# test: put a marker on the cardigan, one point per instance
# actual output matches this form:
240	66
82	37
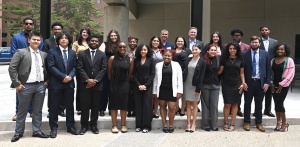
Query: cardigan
288	72
177	83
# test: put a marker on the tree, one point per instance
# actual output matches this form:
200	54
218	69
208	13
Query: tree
76	14
14	13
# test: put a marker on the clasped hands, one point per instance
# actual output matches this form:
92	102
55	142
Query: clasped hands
67	79
90	83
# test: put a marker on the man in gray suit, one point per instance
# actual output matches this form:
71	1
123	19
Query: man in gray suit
268	45
28	74
193	40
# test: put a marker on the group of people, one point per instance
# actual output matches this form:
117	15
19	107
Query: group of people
146	77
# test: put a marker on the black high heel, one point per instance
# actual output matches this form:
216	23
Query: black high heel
178	112
286	127
277	128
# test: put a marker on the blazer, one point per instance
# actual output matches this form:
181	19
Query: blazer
177	83
188	50
198	73
20	66
264	67
288	72
87	69
57	68
272	44
19	41
49	44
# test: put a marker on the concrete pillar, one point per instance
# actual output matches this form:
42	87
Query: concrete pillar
206	21
116	18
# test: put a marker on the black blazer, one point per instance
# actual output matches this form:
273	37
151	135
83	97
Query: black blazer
49	44
57	68
87	69
198	74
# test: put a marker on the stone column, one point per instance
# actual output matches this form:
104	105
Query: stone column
116	18
206	21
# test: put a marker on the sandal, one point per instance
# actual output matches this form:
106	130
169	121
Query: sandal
188	128
278	126
225	127
193	128
171	129
231	128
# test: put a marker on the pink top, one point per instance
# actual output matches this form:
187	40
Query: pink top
288	72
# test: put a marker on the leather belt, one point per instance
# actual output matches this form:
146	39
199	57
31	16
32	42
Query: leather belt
255	79
36	82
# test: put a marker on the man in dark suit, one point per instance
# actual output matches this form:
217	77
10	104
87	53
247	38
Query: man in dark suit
62	66
268	45
91	68
49	44
192	40
28	74
257	77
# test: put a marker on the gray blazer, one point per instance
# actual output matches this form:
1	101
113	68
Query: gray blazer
272	44
20	66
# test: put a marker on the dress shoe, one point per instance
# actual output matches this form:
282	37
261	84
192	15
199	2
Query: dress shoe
102	113
207	129
114	129
82	131
95	130
133	114
14	118
40	135
178	111
215	129
240	114
247	126
155	116
198	110
62	114
53	133
78	112
129	114
253	114
124	129
16	137
269	114
72	130
260	127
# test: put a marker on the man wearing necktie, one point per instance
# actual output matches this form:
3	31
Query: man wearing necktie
62	66
257	77
28	74
91	69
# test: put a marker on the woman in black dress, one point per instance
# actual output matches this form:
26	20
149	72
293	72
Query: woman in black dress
232	70
143	75
120	67
180	57
168	87
283	71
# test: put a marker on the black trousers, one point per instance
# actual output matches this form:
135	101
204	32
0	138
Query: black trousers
62	106
65	94
268	100
78	106
279	99
131	101
143	108
105	93
89	100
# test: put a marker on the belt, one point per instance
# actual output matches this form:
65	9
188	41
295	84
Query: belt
255	79
36	82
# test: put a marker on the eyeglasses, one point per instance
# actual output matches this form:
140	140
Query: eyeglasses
122	46
28	23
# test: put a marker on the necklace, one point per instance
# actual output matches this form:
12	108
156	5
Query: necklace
167	65
231	60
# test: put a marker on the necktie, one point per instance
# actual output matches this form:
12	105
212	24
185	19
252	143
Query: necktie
254	64
37	67
65	59
93	55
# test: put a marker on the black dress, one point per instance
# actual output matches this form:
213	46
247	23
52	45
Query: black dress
166	89
180	58
119	85
231	80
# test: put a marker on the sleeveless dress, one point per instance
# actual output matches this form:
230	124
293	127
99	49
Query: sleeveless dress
119	89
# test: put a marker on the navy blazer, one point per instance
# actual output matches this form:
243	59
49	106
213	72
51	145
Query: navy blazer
198	73
272	44
264	67
57	68
91	70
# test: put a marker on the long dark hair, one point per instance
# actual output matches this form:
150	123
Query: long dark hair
152	38
206	56
139	49
220	38
184	42
111	47
80	39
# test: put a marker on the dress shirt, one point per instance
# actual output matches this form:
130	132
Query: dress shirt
92	53
62	51
192	43
257	63
32	74
266	43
